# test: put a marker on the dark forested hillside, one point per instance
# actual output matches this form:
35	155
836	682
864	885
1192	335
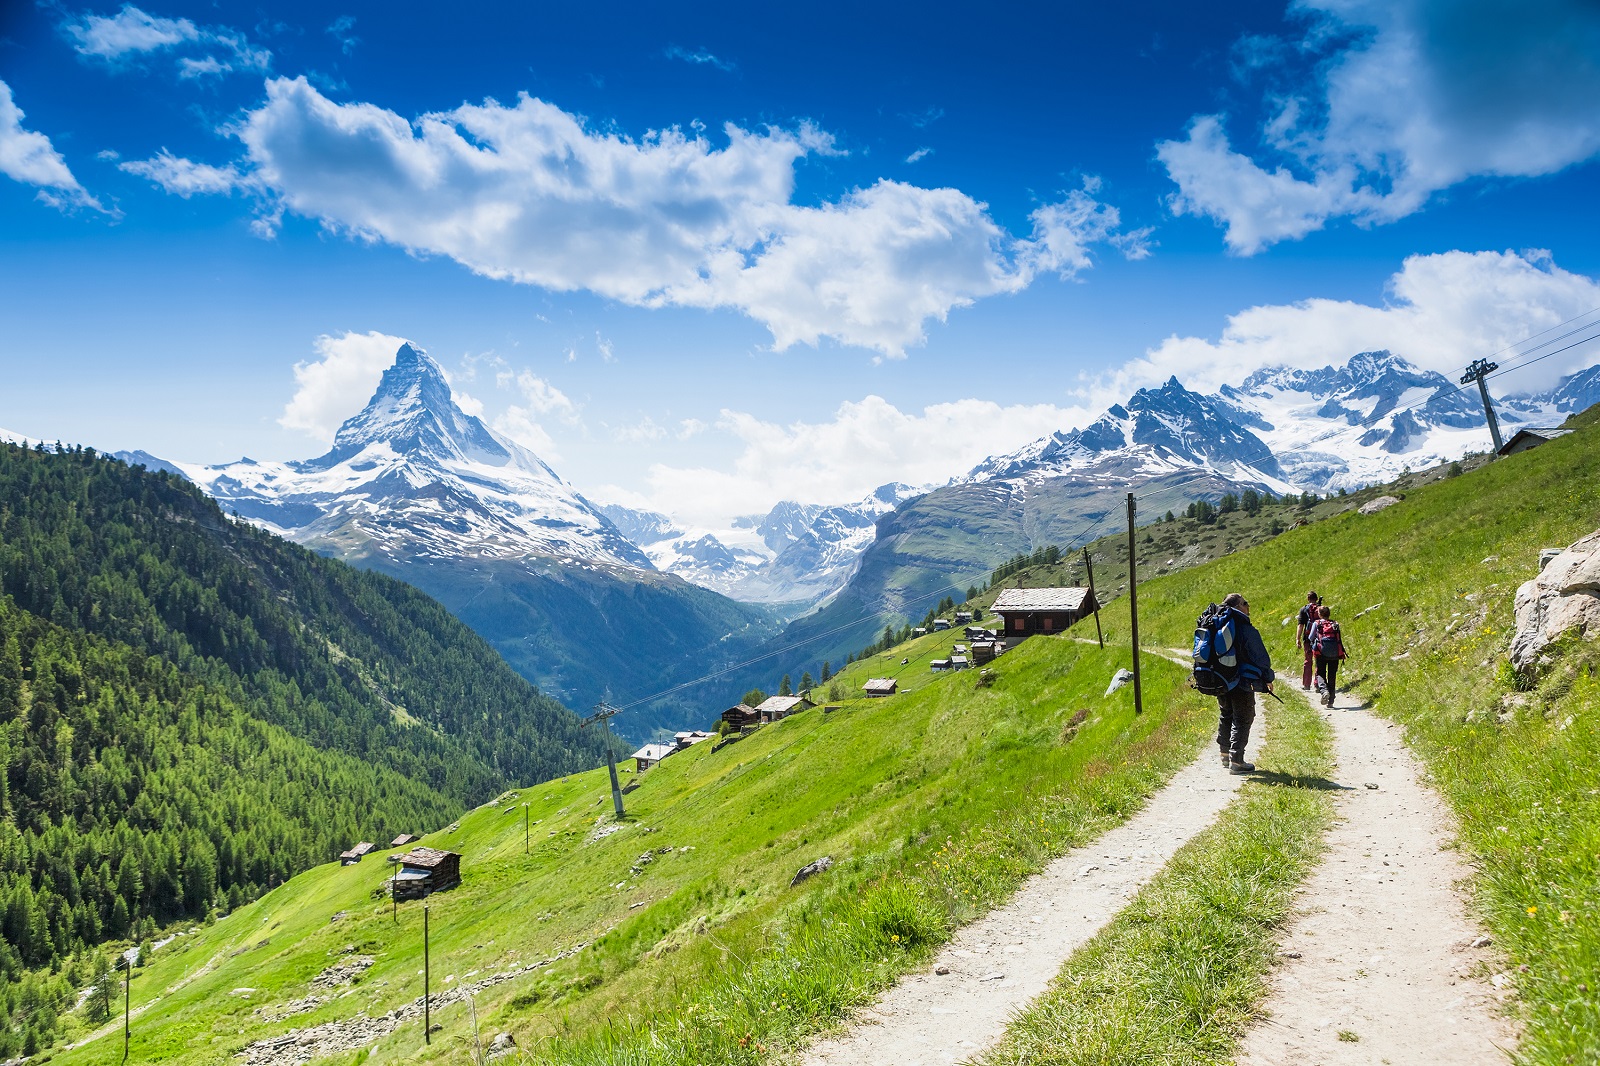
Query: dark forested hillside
352	661
192	710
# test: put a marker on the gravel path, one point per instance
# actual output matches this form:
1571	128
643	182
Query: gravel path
1385	971
1001	962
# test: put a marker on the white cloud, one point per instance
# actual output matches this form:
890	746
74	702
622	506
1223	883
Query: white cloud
545	398
133	32
31	159
1064	232
185	178
919	155
1419	96
1442	312
208	66
335	386
699	57
867	443
518	424
128	32
530	194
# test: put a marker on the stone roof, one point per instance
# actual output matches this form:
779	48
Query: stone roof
880	684
781	704
653	752
1060	599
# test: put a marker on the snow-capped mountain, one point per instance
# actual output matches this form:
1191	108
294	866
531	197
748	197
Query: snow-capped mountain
414	476
1289	430
796	553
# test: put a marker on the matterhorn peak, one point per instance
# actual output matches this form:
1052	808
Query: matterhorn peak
414	412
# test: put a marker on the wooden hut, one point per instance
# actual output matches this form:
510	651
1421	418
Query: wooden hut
426	870
776	707
1029	611
740	715
651	754
880	686
403	839
355	854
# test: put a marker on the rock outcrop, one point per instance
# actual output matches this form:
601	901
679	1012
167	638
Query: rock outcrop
1565	596
1379	504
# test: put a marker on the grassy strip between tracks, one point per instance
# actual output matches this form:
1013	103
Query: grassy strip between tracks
1177	976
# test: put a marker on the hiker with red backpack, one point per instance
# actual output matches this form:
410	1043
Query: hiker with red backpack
1328	645
1302	637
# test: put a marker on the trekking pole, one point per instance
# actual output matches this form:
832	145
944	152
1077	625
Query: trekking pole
1275	696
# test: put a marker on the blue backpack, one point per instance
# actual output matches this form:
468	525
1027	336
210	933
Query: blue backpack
1216	660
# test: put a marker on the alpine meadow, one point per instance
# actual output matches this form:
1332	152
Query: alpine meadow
1050	535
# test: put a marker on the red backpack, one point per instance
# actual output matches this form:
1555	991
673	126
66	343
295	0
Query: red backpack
1325	638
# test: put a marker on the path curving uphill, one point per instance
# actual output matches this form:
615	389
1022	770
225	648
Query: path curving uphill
1379	963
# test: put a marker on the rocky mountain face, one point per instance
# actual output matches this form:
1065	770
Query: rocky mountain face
416	487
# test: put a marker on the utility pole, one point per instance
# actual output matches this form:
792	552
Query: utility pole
127	999
427	975
525	829
602	713
1480	369
1133	606
1089	568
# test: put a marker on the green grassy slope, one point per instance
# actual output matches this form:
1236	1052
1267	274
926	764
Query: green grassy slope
1518	759
934	804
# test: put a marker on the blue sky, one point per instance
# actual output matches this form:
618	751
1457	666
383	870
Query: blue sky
702	258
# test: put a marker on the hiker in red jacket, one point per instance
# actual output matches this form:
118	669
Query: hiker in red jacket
1302	637
1327	643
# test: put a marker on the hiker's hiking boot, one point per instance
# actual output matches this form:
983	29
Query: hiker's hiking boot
1239	766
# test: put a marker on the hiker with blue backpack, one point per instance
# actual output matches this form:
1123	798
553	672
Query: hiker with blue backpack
1328	644
1232	664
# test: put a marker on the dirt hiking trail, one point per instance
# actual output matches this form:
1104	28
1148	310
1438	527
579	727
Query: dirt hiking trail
1001	962
1385	969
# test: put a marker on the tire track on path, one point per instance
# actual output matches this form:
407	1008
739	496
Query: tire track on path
1378	964
1000	963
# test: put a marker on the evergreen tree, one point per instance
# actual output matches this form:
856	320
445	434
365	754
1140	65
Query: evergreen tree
805	681
827	671
785	688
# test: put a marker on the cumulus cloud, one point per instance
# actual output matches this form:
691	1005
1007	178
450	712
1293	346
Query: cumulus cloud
1410	97
29	157
132	32
528	193
185	178
339	382
1442	312
866	444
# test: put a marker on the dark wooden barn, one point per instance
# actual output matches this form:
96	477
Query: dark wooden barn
1027	612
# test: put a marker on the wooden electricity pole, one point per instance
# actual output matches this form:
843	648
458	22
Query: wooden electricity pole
127	999
427	974
1089	568
1133	606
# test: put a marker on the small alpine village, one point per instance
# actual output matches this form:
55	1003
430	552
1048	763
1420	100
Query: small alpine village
648	535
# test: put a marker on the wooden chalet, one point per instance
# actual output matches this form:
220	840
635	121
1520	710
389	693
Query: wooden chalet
984	651
740	716
941	623
963	617
980	633
403	839
651	754
959	662
880	686
424	871
919	632
1026	612
938	665
1530	437
355	854
688	738
776	707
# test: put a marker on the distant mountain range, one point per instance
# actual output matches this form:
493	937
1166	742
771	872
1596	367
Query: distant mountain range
586	599
1283	430
797	554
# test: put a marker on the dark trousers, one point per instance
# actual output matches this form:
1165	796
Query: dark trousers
1328	670
1305	672
1236	711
